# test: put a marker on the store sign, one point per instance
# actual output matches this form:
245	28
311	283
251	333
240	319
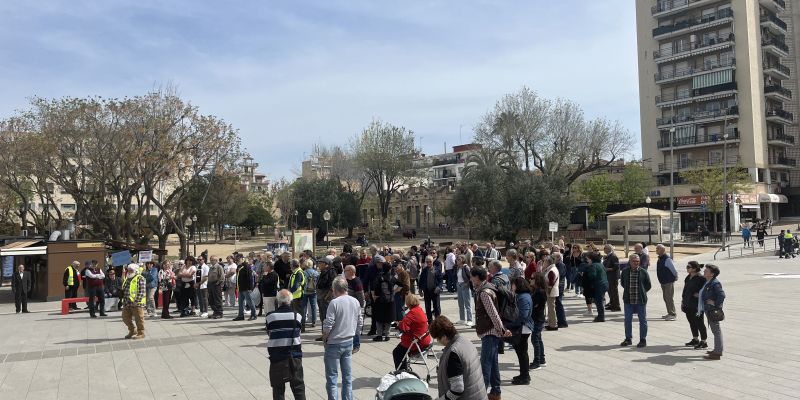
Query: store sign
692	201
748	198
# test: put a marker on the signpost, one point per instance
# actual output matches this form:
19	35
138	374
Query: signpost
553	229
145	256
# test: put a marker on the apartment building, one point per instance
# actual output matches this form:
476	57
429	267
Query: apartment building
253	181
716	87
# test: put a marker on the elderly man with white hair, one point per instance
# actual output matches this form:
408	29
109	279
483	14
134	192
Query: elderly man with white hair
284	348
644	258
342	323
134	298
667	275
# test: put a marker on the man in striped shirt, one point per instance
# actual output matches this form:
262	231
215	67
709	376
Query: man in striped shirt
283	328
489	327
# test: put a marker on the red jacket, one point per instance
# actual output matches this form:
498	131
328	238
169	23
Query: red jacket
415	323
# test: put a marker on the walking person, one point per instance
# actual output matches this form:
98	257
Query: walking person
342	324
667	275
134	299
244	282
552	279
711	300
490	330
166	283
692	285
430	280
151	277
635	285
521	328
746	236
285	349
464	291
21	286
94	287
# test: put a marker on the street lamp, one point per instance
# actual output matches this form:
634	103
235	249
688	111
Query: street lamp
648	200
194	233
186	224
724	182
672	186
295	218
309	215
327	217
428	223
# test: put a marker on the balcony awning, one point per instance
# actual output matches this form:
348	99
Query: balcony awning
772	198
23	248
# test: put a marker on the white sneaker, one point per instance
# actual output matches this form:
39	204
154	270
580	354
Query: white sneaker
469	324
588	314
460	322
204	315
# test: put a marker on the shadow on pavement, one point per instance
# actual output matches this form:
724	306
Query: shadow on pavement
669	360
366	382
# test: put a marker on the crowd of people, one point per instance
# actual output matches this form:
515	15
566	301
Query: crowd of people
400	293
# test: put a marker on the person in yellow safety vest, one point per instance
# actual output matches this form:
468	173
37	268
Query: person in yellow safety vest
788	244
72	281
297	283
134	298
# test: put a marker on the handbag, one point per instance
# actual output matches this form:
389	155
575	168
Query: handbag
283	371
716	314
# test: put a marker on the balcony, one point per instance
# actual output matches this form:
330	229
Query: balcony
694	24
780	116
669	7
774	5
774	24
689	50
698	140
780	139
782	162
685	73
706	93
683	165
777	71
775	46
778	92
699	117
446	161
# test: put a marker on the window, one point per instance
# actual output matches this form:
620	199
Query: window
714	157
67	207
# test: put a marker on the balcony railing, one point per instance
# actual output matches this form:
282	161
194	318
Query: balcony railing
689	71
774	41
690	164
733	134
700	115
780	67
779	90
780	3
689	23
446	161
687	49
725	87
780	113
783	161
774	19
781	137
662	6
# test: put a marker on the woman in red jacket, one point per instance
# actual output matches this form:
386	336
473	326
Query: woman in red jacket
414	324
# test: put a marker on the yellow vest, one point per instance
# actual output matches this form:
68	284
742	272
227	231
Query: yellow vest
133	289
788	236
71	277
299	292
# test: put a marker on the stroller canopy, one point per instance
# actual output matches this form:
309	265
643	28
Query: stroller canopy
407	389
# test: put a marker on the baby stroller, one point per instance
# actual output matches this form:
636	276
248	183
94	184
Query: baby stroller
402	385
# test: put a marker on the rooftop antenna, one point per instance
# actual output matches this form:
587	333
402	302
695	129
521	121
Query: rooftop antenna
460	140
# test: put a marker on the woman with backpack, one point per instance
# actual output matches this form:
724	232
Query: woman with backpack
310	293
383	301
521	328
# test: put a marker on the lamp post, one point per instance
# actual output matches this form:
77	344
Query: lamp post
648	200
186	224
428	223
295	219
724	183
309	215
194	233
672	186
327	217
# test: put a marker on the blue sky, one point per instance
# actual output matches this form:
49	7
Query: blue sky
289	74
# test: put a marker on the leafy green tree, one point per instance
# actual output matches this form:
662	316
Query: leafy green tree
598	191
320	195
636	184
710	181
257	216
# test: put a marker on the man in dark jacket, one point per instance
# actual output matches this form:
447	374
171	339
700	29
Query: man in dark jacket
20	286
667	275
430	280
216	279
635	285
611	265
283	269
245	283
283	328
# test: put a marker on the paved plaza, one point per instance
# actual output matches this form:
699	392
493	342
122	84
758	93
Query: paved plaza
44	355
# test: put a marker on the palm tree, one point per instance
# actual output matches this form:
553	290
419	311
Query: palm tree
487	158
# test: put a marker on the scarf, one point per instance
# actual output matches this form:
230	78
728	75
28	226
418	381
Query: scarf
701	301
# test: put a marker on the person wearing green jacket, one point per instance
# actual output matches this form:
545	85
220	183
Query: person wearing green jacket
596	274
635	285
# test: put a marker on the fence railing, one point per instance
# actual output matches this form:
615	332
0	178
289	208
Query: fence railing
736	250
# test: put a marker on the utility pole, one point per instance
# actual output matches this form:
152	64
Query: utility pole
672	185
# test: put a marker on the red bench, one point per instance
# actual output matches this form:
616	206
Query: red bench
66	302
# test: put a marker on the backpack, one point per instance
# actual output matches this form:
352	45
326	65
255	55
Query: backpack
311	284
385	288
506	303
325	280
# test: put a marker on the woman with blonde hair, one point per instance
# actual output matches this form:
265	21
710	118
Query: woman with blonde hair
413	325
166	282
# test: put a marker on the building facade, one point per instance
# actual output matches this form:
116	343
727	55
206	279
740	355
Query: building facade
717	87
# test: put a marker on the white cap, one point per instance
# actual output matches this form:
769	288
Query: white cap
133	267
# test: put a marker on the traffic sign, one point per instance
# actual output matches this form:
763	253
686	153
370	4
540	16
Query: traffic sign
554	227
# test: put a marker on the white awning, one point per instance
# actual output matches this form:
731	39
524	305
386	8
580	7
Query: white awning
772	198
25	251
754	206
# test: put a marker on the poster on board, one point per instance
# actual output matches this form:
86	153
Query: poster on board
302	240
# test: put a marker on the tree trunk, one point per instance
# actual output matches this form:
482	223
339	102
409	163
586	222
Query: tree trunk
162	245
349	232
183	245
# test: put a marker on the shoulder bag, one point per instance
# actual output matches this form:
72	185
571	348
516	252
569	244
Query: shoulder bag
715	314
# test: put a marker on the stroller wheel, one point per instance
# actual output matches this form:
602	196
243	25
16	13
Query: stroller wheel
428	378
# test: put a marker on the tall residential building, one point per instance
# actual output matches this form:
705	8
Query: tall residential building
252	180
714	73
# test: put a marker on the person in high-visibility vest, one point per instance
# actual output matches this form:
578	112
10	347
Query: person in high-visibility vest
297	284
72	281
788	244
134	299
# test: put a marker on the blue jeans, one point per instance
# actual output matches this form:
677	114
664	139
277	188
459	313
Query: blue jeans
310	299
489	362
464	302
452	280
561	316
244	296
537	343
338	355
641	313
